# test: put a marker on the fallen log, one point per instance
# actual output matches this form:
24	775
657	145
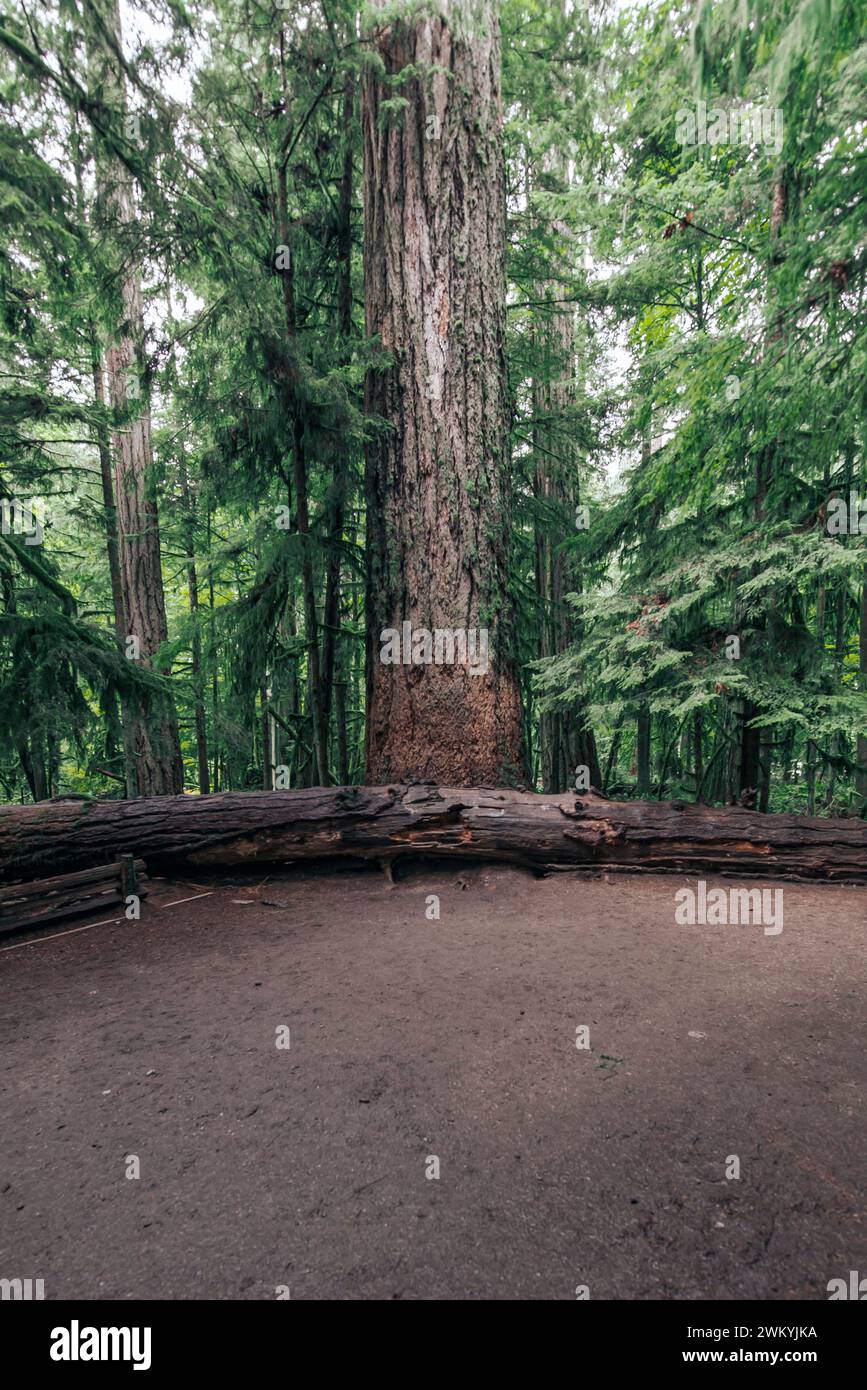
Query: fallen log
383	823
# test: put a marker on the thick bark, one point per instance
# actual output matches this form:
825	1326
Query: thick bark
861	774
326	823
151	730
436	473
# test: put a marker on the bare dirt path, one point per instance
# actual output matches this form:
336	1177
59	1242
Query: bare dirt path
411	1038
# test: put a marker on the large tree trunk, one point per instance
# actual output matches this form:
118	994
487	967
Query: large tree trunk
436	484
861	774
326	823
150	728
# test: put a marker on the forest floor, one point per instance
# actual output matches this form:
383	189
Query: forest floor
263	1168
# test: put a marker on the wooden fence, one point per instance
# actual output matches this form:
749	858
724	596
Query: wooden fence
24	906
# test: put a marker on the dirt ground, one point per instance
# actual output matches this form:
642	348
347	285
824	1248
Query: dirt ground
266	1168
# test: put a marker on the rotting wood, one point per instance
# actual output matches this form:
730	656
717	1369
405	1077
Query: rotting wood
356	823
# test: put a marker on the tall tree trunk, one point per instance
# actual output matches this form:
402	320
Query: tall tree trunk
196	641
151	727
103	445
319	720
103	450
33	764
566	740
339	479
267	738
642	751
106	474
748	767
821	600
861	774
215	666
766	760
750	772
697	744
611	760
436	477
840	649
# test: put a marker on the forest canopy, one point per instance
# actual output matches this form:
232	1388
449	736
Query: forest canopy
543	321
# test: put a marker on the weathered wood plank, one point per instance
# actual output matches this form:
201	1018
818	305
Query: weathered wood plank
101	903
102	873
24	906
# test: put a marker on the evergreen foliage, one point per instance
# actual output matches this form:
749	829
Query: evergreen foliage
687	359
